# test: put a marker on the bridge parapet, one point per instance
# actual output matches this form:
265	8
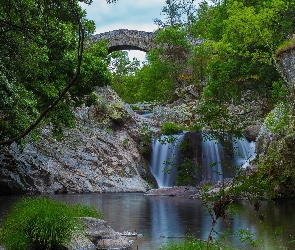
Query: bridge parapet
124	39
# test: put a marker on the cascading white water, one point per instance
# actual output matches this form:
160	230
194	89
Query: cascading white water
165	157
211	159
244	152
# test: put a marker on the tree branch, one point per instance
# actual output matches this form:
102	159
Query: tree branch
65	90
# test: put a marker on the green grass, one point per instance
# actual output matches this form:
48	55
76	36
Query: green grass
189	244
42	223
170	128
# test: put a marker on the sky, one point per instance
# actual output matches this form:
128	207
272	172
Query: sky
125	14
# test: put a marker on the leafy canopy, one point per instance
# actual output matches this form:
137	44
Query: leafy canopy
40	58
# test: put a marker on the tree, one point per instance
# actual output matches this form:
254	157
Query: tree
40	59
177	13
137	84
243	63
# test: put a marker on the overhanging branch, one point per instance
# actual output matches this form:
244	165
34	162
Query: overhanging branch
65	90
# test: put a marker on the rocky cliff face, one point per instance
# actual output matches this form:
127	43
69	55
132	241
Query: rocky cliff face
275	125
100	155
287	63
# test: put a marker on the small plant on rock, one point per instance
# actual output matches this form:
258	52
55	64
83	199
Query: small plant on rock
170	128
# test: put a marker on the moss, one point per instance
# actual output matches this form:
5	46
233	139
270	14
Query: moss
286	46
116	111
170	128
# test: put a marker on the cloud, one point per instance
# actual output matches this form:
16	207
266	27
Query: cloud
124	14
116	26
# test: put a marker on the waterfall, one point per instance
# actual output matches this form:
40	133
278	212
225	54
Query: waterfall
165	157
146	115
244	152
211	158
212	153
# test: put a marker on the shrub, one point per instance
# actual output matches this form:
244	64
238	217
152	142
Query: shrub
188	244
170	128
42	223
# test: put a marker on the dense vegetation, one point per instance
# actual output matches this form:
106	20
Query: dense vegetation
188	244
41	70
238	52
236	63
42	223
40	61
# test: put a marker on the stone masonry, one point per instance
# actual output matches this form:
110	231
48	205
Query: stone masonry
124	39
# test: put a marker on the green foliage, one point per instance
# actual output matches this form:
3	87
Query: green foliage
149	83
82	210
177	13
92	99
170	128
171	54
209	24
186	173
38	57
279	119
42	223
245	236
157	79
188	244
146	138
278	92
286	45
126	143
120	65
94	72
277	167
135	108
238	58
276	164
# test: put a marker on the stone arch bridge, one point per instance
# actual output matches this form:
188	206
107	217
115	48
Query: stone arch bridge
124	39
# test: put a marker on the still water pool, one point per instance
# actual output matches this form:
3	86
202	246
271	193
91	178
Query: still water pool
159	218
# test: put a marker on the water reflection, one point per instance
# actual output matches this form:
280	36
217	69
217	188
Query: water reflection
171	216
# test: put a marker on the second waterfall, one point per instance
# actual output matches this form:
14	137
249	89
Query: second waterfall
167	157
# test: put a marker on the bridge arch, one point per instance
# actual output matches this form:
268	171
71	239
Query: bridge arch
124	39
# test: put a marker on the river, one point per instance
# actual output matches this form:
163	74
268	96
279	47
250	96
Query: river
158	218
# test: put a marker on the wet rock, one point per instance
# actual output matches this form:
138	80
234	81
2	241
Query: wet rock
103	236
251	132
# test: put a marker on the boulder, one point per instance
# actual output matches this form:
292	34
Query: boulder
103	236
80	242
251	132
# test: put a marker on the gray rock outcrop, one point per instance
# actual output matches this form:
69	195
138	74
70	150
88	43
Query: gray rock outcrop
99	235
100	155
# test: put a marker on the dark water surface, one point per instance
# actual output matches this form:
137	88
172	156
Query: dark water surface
155	217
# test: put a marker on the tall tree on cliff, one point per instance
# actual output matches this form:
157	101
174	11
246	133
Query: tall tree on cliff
41	54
